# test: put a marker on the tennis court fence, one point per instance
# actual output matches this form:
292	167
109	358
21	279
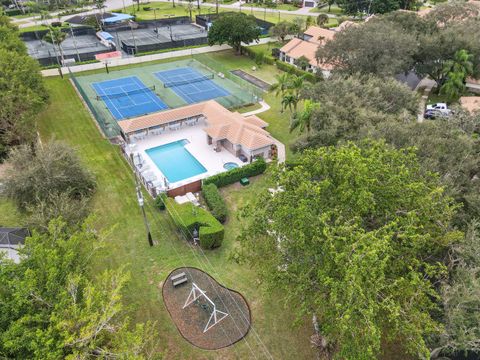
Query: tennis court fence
109	127
217	67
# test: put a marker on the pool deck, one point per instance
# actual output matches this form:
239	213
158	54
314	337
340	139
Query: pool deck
198	147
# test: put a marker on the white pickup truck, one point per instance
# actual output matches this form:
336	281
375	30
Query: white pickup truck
439	107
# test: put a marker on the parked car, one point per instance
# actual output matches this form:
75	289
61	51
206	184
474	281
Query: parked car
435	114
440	107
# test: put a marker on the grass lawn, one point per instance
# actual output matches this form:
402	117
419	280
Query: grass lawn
166	10
116	209
288	7
334	10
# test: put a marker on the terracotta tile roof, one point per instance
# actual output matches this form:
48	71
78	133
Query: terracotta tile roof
319	35
470	103
221	124
297	48
473	81
345	25
255	120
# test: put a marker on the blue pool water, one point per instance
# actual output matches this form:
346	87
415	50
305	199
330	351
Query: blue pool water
175	162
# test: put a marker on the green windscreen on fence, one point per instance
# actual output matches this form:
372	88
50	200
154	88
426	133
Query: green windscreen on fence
241	92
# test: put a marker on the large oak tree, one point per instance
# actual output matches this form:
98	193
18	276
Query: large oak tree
355	235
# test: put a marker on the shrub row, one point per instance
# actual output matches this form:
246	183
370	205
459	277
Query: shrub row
294	70
188	217
215	202
253	54
13	12
229	177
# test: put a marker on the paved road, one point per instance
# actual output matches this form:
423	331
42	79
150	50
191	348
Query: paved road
118	4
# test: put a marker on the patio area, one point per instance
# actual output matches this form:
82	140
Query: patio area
197	146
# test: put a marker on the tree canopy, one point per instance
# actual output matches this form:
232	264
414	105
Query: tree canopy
49	181
233	29
22	93
401	42
53	309
355	234
350	107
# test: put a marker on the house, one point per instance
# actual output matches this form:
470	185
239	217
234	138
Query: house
306	46
470	103
241	136
174	150
11	239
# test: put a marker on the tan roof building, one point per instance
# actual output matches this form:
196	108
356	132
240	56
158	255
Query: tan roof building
313	37
470	103
222	124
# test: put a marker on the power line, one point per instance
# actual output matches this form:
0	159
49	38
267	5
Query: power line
234	300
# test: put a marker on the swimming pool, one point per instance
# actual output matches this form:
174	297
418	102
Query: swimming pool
175	162
230	166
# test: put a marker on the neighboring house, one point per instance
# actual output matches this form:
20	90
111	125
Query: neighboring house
411	79
306	46
345	25
11	239
470	103
473	85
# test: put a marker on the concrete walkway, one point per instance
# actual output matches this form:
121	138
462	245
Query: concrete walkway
146	58
264	108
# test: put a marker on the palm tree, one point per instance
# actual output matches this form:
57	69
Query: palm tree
303	119
289	100
297	84
282	84
189	8
56	36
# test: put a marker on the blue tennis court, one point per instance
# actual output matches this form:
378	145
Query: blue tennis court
191	85
128	97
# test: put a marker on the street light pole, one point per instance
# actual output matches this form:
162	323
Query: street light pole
155	15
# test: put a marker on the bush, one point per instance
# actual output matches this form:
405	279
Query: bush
229	177
13	12
259	58
160	201
215	202
294	70
252	53
187	217
147	8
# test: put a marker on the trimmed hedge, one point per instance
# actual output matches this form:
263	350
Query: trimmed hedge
160	201
294	70
253	53
232	176
215	202
188	217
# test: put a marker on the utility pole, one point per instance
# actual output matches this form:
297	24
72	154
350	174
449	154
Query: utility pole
141	202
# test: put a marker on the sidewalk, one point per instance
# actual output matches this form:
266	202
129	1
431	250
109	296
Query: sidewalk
146	58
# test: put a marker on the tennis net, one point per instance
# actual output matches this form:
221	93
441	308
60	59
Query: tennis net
125	93
189	81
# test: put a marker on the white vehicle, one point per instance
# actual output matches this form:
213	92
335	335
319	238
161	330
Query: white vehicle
440	107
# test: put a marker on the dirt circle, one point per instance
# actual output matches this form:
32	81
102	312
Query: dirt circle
192	320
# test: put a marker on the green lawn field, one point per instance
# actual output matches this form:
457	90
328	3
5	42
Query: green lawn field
116	210
166	10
